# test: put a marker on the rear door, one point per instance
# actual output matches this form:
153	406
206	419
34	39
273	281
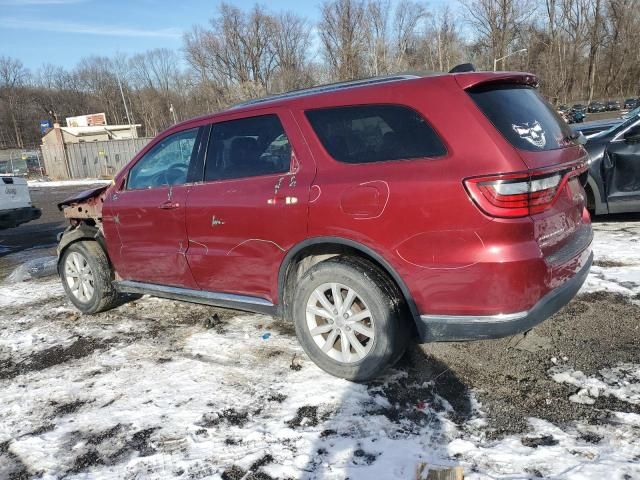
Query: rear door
148	213
252	206
622	171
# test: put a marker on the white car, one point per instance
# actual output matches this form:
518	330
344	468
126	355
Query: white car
15	202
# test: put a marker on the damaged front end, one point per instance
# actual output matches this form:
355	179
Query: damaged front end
84	212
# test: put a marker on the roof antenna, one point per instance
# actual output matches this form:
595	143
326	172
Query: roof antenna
463	67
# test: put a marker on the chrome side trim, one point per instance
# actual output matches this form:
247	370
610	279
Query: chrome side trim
503	317
217	299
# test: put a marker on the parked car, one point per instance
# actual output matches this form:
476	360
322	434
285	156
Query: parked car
613	184
15	202
596	107
574	116
630	103
579	107
613	105
360	212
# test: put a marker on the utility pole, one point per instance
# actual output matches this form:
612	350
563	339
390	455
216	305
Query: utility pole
173	112
126	108
496	60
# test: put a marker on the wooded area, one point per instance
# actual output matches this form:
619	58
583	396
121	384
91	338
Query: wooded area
580	49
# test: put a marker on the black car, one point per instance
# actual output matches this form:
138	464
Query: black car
613	185
579	107
596	107
613	105
631	103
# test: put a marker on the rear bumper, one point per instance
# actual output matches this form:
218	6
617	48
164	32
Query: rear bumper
16	216
449	328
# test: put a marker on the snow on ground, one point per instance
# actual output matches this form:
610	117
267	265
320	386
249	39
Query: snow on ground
616	267
160	389
66	183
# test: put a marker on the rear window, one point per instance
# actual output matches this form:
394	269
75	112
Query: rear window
523	117
375	133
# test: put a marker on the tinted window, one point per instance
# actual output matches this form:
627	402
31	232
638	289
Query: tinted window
523	117
374	133
167	163
247	148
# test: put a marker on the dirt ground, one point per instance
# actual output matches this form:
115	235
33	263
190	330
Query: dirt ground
594	331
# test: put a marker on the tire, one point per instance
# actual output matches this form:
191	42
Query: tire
376	318
99	294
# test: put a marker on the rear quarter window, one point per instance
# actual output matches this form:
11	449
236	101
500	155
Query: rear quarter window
374	133
522	116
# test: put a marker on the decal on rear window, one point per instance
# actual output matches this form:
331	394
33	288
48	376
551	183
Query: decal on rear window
531	132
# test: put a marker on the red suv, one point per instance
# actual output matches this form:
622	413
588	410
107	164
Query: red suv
447	207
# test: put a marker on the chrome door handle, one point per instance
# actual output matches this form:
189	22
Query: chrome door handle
169	205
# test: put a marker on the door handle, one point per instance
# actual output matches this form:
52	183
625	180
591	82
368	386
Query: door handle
169	205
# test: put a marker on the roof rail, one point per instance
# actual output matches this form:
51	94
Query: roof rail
329	87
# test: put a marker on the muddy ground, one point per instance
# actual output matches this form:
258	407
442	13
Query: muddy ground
594	331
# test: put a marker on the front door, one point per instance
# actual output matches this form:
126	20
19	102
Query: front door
622	171
251	207
148	212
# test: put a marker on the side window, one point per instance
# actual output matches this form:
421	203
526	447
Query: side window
375	133
167	163
248	147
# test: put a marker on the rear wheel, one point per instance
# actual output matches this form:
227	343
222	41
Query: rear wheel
349	318
86	278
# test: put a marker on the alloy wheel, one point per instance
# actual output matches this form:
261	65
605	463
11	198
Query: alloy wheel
340	322
79	277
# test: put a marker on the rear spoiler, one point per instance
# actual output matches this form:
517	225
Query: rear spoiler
473	79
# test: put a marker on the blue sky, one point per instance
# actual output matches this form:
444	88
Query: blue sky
63	31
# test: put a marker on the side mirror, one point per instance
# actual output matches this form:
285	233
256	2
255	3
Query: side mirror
580	138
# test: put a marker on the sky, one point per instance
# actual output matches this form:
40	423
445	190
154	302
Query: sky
62	32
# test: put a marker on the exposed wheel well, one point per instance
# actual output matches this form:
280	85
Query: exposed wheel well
84	231
301	260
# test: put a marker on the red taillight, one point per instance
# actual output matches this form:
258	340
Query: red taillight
519	194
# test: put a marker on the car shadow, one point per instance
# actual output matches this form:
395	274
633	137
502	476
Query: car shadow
410	408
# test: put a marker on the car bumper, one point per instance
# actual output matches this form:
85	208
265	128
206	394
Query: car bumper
450	328
16	216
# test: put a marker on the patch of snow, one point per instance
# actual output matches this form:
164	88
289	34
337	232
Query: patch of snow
35	268
155	394
25	293
622	382
617	261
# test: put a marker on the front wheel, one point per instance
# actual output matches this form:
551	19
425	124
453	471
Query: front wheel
86	277
349	318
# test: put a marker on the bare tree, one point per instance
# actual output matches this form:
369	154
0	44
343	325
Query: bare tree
13	77
497	22
408	17
342	33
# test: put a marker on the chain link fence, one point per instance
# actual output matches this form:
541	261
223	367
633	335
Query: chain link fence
89	159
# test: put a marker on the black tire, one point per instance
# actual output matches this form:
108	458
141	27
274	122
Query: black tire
390	323
104	296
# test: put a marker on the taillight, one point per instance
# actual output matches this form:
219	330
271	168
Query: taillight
518	194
